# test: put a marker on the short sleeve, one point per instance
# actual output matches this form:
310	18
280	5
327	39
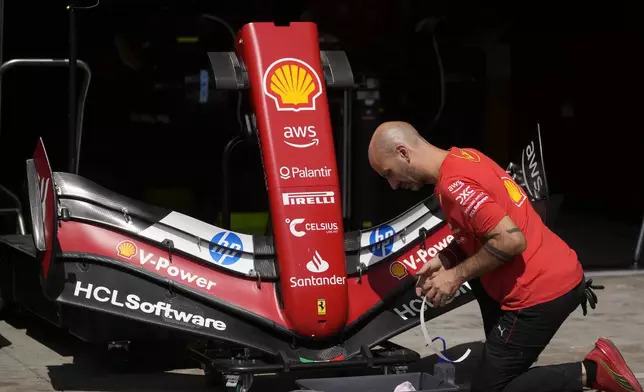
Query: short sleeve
476	207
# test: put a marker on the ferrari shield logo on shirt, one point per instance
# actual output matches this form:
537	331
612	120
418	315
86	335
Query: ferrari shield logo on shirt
467	154
292	84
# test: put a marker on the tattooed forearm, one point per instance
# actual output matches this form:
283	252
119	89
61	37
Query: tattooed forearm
493	234
499	254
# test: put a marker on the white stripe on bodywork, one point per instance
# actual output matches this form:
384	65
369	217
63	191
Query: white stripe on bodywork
202	229
428	222
404	221
184	232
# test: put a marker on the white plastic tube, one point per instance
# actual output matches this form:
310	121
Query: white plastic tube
423	327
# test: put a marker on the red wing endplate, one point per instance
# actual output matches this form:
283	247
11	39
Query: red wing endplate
42	205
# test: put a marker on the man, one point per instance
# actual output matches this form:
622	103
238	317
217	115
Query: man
527	280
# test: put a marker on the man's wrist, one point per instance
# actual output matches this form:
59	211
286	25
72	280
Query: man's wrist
460	274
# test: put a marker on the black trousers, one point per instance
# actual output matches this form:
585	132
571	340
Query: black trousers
514	341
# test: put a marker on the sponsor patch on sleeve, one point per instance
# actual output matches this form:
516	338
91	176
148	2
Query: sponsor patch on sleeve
515	192
469	197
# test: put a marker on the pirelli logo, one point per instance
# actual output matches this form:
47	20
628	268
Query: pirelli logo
308	198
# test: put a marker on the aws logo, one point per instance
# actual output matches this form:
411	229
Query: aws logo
292	84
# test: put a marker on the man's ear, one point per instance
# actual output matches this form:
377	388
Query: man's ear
403	152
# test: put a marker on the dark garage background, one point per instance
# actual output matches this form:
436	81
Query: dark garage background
577	72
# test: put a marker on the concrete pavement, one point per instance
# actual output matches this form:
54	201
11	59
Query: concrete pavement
36	357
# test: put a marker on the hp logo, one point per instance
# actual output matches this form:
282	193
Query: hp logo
381	241
226	248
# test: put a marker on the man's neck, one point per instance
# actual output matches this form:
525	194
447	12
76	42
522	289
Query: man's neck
433	166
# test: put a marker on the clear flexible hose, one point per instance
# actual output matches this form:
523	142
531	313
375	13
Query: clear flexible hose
423	328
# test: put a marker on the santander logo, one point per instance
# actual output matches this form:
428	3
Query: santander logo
317	264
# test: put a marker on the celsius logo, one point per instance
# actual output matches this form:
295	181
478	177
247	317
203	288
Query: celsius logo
317	264
304	172
329	228
301	132
293	227
381	241
226	248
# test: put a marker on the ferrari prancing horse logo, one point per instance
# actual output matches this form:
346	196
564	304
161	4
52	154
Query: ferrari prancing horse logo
321	307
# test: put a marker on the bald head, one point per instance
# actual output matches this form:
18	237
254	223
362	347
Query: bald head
401	155
391	134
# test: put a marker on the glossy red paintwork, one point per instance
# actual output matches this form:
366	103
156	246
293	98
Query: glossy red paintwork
385	277
240	292
377	283
298	153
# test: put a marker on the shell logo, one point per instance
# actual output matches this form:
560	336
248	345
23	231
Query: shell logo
514	191
469	155
292	84
126	249
398	270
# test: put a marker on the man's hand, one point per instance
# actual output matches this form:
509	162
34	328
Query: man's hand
444	286
425	273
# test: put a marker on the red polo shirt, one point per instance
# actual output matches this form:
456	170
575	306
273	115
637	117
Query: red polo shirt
475	194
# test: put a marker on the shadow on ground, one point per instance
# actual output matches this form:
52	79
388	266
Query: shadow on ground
4	342
146	367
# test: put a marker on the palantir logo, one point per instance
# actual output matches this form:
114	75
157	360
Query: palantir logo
226	248
285	173
317	264
292	84
381	241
